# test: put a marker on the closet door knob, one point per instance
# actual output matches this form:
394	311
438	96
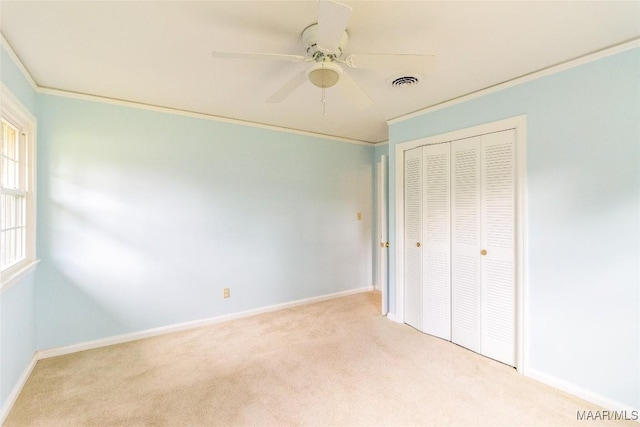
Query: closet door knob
418	244
483	252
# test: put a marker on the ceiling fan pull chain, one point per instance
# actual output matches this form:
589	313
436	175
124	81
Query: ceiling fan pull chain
324	103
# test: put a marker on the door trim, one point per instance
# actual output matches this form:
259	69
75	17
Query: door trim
517	123
383	251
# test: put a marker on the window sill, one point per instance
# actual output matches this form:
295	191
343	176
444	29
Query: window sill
13	276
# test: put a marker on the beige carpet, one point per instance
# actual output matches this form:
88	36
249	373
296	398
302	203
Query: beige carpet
333	363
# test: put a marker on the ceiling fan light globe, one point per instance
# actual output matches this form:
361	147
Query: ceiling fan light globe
324	77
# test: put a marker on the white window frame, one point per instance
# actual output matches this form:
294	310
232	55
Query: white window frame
15	113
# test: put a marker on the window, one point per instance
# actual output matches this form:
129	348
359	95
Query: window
17	190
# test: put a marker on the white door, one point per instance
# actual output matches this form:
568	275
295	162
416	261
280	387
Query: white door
436	301
383	247
483	250
413	237
498	247
465	242
459	236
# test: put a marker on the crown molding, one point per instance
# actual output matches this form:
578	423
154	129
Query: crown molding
594	56
187	113
631	44
167	110
16	59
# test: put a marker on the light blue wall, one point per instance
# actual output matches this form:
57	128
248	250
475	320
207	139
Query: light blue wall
14	79
17	304
145	217
583	171
17	333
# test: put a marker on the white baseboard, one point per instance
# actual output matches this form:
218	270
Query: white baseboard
8	404
392	317
119	339
550	380
578	391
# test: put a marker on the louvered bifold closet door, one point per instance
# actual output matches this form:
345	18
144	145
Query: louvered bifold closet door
498	231
413	237
436	241
465	244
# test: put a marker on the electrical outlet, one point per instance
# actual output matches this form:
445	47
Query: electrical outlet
227	293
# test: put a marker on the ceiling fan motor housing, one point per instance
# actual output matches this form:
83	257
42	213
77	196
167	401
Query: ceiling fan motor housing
310	42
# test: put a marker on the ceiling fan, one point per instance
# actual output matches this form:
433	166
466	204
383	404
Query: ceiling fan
324	44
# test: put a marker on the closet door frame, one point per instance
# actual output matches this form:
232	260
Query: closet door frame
518	124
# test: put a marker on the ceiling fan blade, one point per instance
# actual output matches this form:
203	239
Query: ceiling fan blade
286	90
333	18
251	55
354	91
407	62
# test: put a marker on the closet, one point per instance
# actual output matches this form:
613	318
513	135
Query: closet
459	242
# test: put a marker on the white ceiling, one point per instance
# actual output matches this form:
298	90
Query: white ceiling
159	52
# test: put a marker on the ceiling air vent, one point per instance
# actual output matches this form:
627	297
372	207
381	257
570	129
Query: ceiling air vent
404	81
